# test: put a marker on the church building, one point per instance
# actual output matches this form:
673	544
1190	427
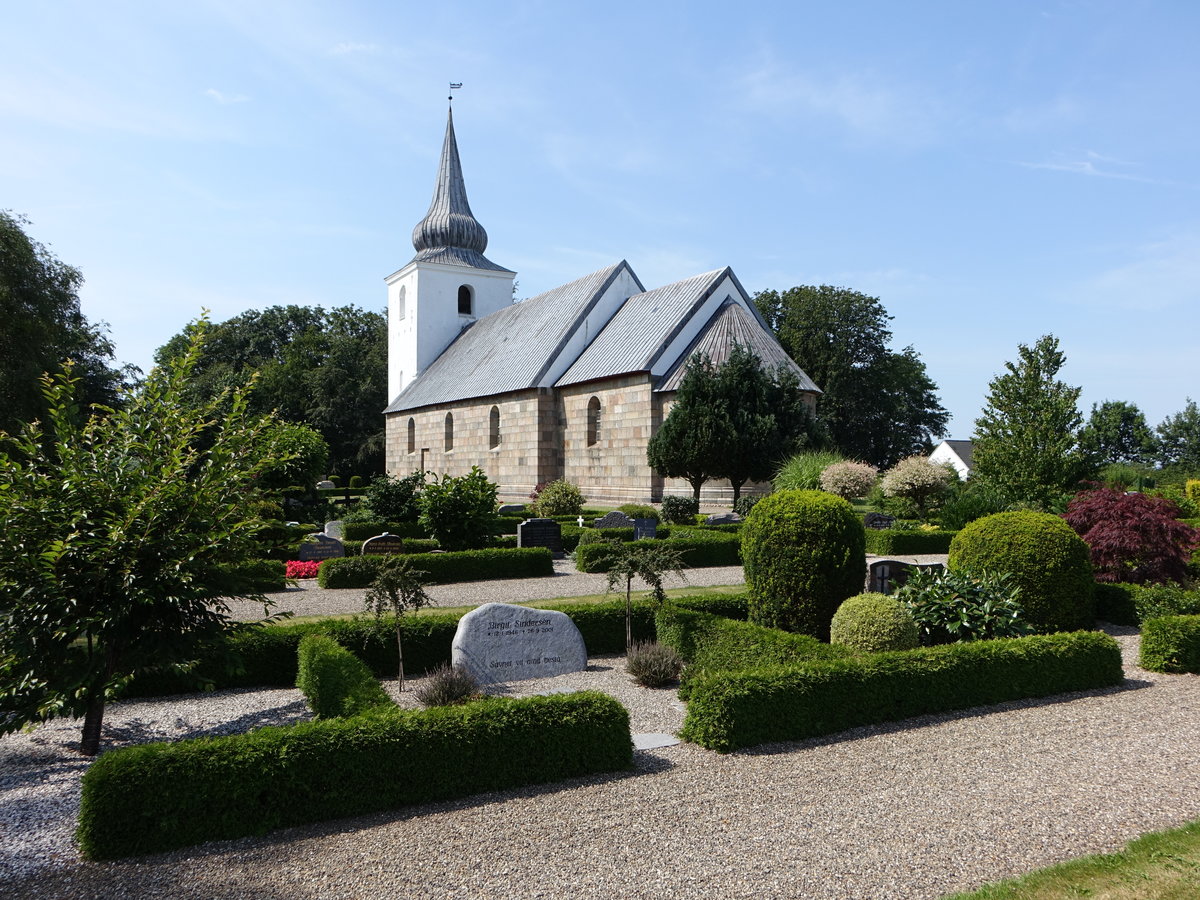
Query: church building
569	384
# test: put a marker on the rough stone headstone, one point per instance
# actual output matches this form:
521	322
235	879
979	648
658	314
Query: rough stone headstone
321	546
729	518
334	529
645	528
614	519
325	486
502	642
878	521
540	533
383	543
511	509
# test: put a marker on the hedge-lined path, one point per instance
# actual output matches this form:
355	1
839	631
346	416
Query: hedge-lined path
907	810
310	600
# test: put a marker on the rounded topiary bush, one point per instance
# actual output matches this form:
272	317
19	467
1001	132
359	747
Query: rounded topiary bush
1045	559
804	552
874	622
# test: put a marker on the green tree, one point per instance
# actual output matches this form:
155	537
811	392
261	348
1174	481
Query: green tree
396	589
690	441
878	405
116	526
305	456
650	561
460	512
1116	432
1027	437
1179	438
42	327
323	368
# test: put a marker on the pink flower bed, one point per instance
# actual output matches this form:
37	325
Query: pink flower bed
302	568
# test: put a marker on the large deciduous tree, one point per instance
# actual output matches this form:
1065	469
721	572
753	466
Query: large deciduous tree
323	368
1116	432
879	405
117	526
1027	437
1179	438
41	326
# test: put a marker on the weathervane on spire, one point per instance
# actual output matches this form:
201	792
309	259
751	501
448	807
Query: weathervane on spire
454	86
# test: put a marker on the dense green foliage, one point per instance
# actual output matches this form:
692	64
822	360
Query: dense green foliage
728	710
970	501
872	623
680	510
1132	604
1171	644
305	458
802	471
157	797
1116	432
1047	561
697	549
460	512
960	605
640	511
803	553
907	542
443	568
334	681
325	368
360	531
558	498
42	327
1027	438
1179	438
879	404
918	480
392	499
115	530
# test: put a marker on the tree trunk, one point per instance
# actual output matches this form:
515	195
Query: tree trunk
400	654
93	720
628	616
737	490
696	485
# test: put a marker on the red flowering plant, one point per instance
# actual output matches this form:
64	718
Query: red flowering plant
1134	538
297	568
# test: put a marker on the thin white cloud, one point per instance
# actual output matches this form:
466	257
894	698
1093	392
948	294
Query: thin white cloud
225	99
346	48
1160	276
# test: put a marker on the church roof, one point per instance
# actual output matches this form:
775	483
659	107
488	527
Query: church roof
450	234
642	329
512	349
733	324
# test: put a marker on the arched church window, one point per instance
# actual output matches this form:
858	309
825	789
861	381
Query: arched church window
593	421
449	431
412	435
494	428
466	300
400	304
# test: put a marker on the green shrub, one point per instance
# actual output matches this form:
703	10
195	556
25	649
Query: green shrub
728	710
639	511
558	498
448	686
698	550
443	568
604	535
680	510
1114	603
968	502
1171	644
1049	563
356	481
873	622
460	512
335	681
745	503
360	531
907	542
653	665
803	553
802	472
395	499
156	797
961	605
251	576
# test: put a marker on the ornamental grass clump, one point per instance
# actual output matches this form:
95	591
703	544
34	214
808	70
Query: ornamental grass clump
654	665
873	623
802	472
448	686
956	606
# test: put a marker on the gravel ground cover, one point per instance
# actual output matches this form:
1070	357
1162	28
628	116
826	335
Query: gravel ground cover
906	810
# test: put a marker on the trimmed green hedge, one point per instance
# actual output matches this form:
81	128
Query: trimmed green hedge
711	643
335	681
901	542
1131	604
265	655
1171	644
156	797
443	568
604	535
360	531
728	710
263	575
698	550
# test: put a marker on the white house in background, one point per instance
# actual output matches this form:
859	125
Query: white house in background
958	453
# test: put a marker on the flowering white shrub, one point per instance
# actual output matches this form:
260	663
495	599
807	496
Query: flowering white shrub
849	479
916	479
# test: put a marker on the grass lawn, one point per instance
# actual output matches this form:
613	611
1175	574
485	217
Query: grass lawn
1164	865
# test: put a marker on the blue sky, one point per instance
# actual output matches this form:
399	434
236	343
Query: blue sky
991	171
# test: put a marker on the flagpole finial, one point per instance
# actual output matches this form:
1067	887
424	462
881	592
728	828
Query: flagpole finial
454	86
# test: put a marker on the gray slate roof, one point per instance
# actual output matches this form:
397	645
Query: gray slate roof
965	450
733	324
509	350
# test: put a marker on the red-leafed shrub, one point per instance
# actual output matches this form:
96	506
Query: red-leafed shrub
297	568
1133	538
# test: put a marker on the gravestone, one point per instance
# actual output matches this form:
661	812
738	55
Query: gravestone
334	529
645	528
502	642
614	519
320	547
540	533
383	543
878	521
511	509
886	575
729	518
326	486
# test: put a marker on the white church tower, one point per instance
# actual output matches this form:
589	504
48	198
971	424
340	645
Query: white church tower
448	284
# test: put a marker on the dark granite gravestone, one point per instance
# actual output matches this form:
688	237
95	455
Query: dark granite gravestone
885	575
614	519
320	547
645	528
540	533
502	642
383	543
729	518
511	509
878	521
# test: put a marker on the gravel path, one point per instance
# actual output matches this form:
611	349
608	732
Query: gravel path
907	810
